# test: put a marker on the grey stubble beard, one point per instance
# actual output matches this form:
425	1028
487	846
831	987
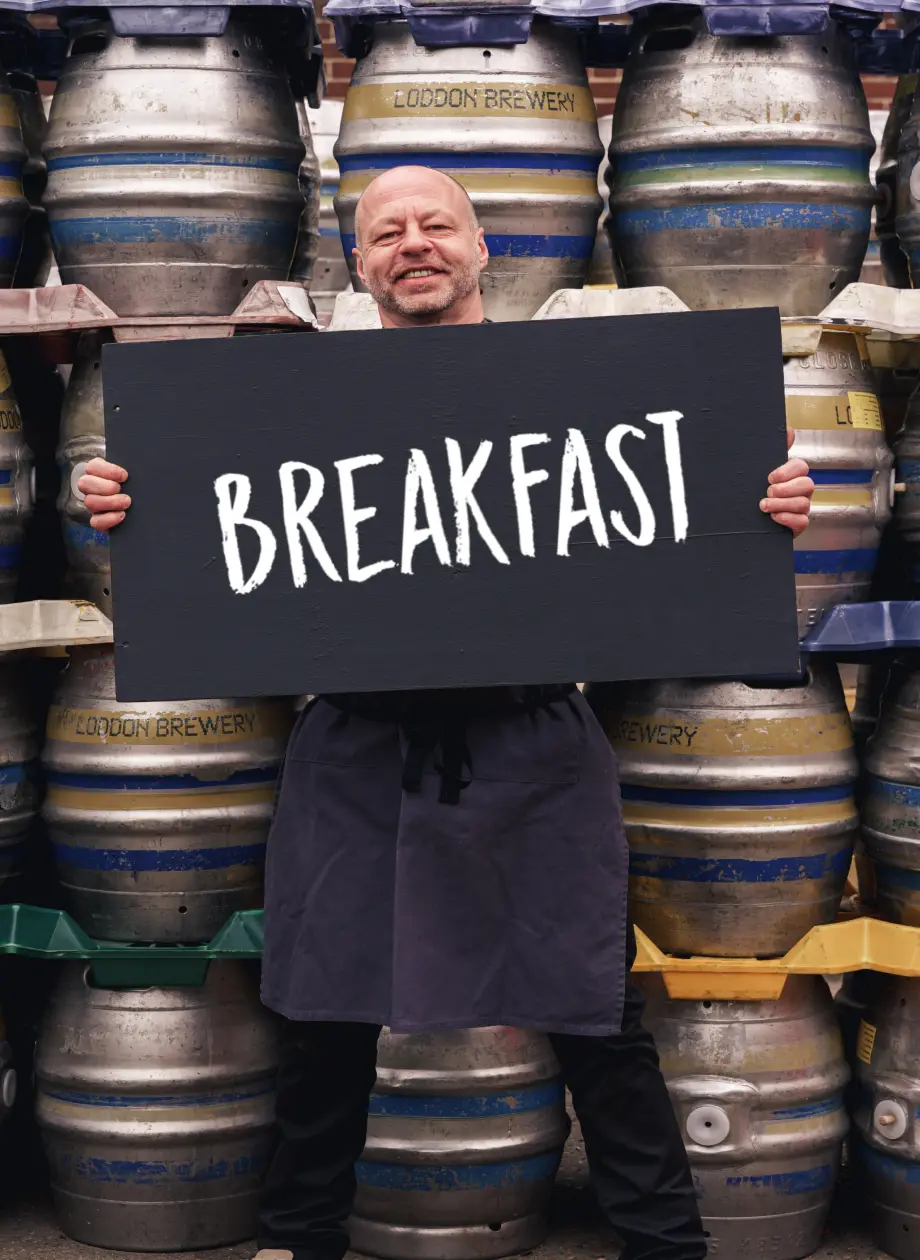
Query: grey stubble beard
464	282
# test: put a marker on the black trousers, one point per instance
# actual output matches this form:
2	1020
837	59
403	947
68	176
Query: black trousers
635	1153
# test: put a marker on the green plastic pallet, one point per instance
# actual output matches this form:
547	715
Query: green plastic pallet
35	932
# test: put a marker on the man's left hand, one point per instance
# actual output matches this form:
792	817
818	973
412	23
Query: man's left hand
789	494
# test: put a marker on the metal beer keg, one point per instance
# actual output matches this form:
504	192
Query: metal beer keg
515	125
308	238
739	166
739	810
19	786
832	407
82	438
465	1134
758	1092
173	170
330	272
885	1115
156	1109
893	259
17	495
14	205
158	813
891	801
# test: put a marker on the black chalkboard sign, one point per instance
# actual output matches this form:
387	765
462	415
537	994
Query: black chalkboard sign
448	507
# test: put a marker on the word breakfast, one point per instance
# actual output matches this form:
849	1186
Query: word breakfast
422	518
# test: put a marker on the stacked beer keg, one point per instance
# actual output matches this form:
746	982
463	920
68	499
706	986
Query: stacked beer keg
514	123
177	179
740	816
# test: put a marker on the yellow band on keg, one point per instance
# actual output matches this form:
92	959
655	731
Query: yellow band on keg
906	84
564	102
94	801
516	182
205	726
5	379
733	737
813	814
10	417
846	496
855	410
9	115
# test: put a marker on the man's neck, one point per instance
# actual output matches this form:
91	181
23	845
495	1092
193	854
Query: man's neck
467	310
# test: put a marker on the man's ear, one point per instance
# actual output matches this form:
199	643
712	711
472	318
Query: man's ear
356	254
482	247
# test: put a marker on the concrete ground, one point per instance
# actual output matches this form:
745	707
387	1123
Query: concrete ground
28	1232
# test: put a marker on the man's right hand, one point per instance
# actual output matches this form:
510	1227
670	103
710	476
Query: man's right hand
101	484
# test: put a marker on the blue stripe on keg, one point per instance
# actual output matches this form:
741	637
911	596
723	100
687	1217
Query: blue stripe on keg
908	469
515	1101
851	560
841	476
143	1172
82	160
13	774
517	161
10	246
694	870
522	246
6	476
132	860
10	556
79	535
158	782
328	190
457	1176
795	216
11	170
802	1181
694	796
82	1099
894	793
145	231
889	1166
822	1108
856	160
323	231
896	877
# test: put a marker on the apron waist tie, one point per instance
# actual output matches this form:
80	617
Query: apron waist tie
434	724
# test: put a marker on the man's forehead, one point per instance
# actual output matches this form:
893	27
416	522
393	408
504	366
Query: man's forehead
398	202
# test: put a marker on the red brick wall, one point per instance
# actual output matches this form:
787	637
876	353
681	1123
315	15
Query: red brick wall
604	82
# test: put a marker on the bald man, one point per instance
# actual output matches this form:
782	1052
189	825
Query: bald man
445	860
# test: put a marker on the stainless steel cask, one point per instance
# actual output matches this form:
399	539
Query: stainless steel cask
739	810
465	1134
16	484
832	407
307	250
515	125
885	1119
82	438
330	272
758	1092
158	813
739	166
156	1109
173	170
891	802
14	205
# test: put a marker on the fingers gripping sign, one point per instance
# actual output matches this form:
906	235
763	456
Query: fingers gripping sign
101	487
789	493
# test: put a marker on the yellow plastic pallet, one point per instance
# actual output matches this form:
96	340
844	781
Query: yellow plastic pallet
858	944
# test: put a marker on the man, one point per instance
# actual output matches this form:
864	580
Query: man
447	860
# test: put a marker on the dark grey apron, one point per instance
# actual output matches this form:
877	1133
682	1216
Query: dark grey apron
432	878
